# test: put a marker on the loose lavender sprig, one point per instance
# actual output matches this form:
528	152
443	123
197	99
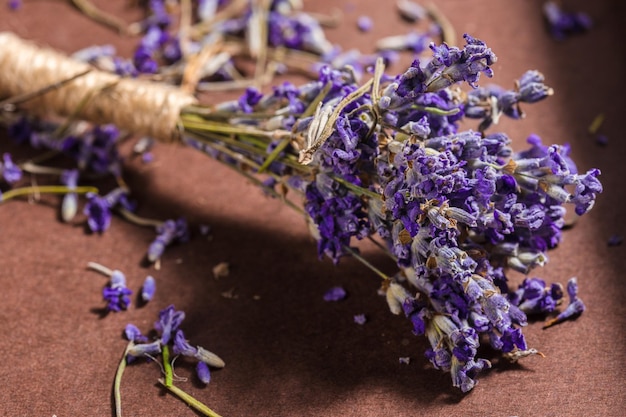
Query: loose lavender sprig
170	334
115	293
168	232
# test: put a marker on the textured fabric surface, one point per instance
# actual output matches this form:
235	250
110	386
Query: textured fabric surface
287	352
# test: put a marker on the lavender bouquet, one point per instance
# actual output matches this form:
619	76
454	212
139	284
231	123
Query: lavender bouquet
386	160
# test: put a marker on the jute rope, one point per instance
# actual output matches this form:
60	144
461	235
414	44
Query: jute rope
134	105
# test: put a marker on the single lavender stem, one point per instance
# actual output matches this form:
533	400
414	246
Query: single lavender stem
100	268
367	264
191	401
135	219
46	189
33	168
117	383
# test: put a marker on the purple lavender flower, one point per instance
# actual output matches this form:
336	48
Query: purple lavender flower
360	319
574	309
148	289
98	209
182	346
450	64
203	372
534	297
10	172
615	240
169	321
116	294
133	333
96	150
98	213
14	4
169	232
562	23
335	294
249	99
364	23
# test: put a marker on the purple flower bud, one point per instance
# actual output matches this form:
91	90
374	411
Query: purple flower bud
360	319
10	172
118	298
203	372
133	333
615	240
98	213
335	294
182	346
148	289
15	4
364	23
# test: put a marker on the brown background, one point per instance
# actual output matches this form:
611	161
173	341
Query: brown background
289	353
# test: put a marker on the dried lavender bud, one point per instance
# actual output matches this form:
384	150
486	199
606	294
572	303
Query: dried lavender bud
335	294
360	319
615	240
182	346
573	310
167	233
148	289
364	23
133	333
562	24
10	172
203	372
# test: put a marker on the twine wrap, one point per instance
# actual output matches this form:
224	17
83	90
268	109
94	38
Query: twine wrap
133	105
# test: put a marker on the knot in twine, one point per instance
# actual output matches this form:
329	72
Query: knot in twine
133	105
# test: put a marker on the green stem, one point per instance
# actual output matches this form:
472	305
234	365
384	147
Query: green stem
117	395
367	264
355	188
192	123
46	189
167	367
191	401
437	111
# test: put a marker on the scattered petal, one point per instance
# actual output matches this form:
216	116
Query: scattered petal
335	294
